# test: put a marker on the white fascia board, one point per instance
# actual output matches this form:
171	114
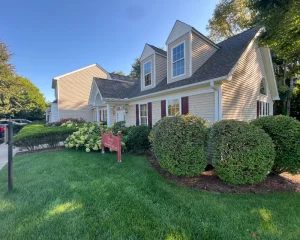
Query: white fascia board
219	79
144	55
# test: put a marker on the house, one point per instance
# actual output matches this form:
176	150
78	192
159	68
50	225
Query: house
233	79
72	92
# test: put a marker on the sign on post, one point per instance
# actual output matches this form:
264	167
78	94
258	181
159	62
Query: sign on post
112	142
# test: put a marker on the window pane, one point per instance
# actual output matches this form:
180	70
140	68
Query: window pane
148	79
173	107
178	60
143	120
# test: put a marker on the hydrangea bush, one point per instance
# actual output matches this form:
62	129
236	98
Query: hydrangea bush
87	137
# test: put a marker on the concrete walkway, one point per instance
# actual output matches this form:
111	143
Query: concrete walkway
4	154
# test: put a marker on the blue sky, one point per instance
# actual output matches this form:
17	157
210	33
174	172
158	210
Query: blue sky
50	38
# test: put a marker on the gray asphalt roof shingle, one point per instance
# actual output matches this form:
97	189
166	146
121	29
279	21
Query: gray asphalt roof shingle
158	50
218	65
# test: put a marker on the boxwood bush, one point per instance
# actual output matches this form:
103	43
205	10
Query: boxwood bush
285	133
242	153
180	143
37	135
136	139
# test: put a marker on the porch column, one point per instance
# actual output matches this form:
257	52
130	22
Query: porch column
97	115
108	114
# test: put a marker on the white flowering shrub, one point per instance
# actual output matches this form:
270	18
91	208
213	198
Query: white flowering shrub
88	136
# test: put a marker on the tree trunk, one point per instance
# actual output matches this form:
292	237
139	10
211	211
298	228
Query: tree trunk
284	74
285	99
289	99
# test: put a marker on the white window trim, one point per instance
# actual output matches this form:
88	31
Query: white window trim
167	108
184	58
151	71
140	119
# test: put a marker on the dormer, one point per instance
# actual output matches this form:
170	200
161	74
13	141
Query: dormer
188	49
153	66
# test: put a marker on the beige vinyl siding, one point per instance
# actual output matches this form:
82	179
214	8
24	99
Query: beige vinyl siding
130	115
186	39
150	58
161	68
156	112
201	52
239	96
74	90
203	105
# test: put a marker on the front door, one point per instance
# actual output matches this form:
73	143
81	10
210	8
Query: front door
120	115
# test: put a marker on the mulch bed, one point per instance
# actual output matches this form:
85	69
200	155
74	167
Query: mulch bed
209	181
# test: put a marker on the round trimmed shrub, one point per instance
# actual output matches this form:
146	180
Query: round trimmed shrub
180	144
242	153
285	133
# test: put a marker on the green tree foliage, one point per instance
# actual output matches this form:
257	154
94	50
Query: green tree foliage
136	69
18	96
230	17
281	32
119	72
280	22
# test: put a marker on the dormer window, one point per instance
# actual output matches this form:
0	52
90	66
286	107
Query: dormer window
178	60
147	74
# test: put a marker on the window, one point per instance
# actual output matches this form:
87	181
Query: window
173	107
263	109
147	74
105	115
178	60
144	114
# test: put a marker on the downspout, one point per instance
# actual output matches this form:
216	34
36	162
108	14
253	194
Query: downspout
217	100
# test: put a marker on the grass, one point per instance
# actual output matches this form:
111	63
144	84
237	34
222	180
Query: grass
76	195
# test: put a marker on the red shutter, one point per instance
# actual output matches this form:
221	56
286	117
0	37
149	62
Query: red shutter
257	109
184	105
137	120
163	108
150	114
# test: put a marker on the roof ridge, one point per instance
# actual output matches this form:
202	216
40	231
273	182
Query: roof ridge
156	47
238	34
116	80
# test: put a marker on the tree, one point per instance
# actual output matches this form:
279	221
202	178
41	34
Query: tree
18	96
230	17
136	69
281	32
7	69
119	73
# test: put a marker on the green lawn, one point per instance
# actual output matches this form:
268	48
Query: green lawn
76	195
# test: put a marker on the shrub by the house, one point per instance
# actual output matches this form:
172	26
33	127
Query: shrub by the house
65	120
242	153
37	135
285	133
86	137
119	126
180	143
136	140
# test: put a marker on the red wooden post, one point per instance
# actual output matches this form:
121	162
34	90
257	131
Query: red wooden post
112	142
119	146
